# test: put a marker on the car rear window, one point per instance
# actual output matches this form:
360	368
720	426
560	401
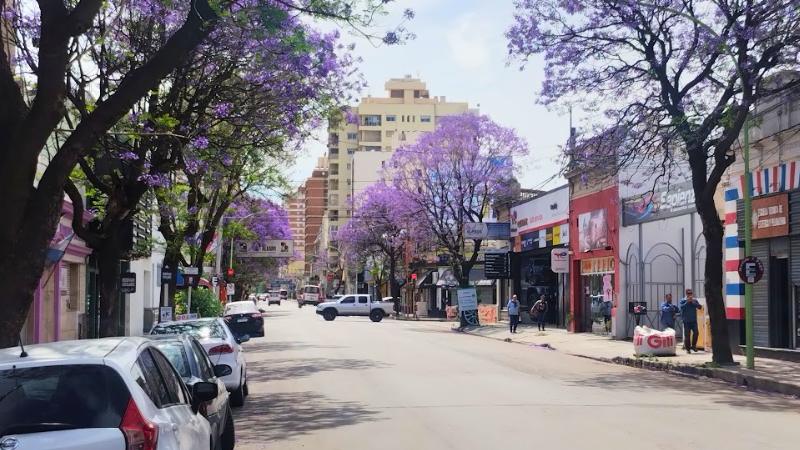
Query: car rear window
49	398
199	329
176	355
240	308
311	290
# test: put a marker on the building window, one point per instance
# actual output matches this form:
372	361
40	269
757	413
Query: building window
425	119
403	118
334	199
333	185
389	133
333	151
352	136
396	93
391	118
334	170
334	215
371	120
402	135
350	151
334	229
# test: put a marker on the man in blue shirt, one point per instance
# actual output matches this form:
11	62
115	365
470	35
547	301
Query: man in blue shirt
689	306
513	313
668	312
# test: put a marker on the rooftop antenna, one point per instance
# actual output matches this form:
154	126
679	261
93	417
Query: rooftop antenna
23	354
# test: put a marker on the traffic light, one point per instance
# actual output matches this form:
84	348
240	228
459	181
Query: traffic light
229	275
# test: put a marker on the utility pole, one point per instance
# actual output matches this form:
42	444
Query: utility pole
748	250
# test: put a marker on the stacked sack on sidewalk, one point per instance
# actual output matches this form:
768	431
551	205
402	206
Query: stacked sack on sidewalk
650	342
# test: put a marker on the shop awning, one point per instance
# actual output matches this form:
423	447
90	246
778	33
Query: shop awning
426	280
483	283
447	279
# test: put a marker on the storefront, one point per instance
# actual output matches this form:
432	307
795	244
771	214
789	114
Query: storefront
540	225
662	250
594	220
776	242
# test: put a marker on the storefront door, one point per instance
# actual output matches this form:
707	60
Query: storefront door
780	306
597	303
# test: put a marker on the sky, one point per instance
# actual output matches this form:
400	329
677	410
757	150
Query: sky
460	52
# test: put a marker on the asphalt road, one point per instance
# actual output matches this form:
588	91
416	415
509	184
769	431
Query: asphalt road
353	384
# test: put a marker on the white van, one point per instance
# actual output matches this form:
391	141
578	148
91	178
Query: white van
310	295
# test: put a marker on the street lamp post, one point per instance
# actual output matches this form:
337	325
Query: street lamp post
220	246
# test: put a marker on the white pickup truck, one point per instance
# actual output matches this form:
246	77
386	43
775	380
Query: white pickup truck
356	305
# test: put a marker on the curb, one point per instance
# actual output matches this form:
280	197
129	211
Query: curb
748	381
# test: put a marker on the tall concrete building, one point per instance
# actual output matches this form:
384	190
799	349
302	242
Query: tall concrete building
315	202
359	145
296	208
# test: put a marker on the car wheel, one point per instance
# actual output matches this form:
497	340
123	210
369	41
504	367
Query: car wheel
376	315
246	388
329	314
237	396
228	438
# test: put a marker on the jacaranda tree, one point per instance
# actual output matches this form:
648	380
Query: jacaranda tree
675	79
452	176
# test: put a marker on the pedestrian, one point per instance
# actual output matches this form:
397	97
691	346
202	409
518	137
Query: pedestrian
689	306
513	313
539	311
668	313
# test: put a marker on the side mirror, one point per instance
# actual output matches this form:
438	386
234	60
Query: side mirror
261	310
222	370
202	392
243	338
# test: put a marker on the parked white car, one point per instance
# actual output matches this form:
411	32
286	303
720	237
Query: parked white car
355	305
222	347
105	394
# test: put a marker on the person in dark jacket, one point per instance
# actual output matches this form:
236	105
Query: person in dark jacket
513	313
668	313
539	310
689	306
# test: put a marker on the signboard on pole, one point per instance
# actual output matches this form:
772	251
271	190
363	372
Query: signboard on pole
215	281
476	230
751	270
165	314
497	265
127	283
167	275
277	248
231	289
191	270
467	299
559	260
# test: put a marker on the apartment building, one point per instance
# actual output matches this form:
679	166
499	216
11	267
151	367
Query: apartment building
296	208
360	144
315	202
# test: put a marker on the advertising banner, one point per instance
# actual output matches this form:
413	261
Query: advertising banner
279	248
593	230
770	216
659	204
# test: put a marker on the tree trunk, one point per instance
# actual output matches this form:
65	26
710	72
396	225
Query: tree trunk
713	231
172	261
108	257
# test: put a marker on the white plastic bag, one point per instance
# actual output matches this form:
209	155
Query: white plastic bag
650	342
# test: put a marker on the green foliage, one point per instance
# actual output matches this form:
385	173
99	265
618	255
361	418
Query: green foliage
204	302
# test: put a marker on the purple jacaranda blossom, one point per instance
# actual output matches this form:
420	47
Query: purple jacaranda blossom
200	142
155	180
223	109
128	156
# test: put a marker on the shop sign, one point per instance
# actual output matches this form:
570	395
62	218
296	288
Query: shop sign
771	216
165	314
659	204
751	270
127	283
593	266
593	230
546	237
540	212
495	231
497	265
559	260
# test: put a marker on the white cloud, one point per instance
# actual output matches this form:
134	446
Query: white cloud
467	39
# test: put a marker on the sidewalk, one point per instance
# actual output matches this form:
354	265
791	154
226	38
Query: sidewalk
770	375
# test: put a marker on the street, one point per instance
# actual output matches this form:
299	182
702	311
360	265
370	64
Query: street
354	384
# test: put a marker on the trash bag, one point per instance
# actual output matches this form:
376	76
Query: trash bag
650	342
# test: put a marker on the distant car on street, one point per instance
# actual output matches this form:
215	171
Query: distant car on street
222	346
191	361
283	294
355	305
310	295
101	394
274	297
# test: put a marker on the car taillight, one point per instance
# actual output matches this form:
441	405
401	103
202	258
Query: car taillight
256	315
219	349
140	434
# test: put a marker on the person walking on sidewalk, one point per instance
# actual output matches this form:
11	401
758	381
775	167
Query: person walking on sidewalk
668	313
538	311
513	313
689	306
